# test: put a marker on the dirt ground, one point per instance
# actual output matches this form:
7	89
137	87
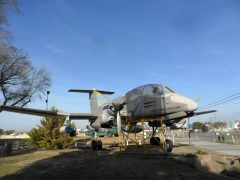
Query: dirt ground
109	163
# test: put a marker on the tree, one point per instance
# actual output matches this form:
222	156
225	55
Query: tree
6	7
8	132
198	125
219	125
1	131
20	82
48	135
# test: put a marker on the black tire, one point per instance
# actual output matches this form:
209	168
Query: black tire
158	141
99	145
94	145
101	136
169	145
154	140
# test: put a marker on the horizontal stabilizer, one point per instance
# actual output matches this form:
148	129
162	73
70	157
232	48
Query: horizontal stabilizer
90	91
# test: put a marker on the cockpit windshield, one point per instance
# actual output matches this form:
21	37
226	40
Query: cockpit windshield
168	90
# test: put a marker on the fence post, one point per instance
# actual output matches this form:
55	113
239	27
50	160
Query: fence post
8	148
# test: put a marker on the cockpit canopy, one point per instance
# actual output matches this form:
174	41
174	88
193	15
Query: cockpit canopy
151	89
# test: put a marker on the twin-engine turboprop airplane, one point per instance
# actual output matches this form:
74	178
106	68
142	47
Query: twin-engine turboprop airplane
153	103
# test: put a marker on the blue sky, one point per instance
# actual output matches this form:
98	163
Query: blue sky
191	45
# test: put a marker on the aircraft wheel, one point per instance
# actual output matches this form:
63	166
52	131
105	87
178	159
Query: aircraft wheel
157	140
169	145
99	145
94	145
154	140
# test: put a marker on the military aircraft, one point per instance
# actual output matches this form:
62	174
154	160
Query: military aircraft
155	104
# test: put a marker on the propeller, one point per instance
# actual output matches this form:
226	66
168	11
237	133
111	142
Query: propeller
119	123
118	107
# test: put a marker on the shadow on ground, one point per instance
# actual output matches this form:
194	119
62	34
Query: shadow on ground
110	164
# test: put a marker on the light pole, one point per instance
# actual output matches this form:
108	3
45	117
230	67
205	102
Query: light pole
48	92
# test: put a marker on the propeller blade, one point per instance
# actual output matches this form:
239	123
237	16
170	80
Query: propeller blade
119	123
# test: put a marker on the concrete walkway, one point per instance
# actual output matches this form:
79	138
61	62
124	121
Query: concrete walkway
229	149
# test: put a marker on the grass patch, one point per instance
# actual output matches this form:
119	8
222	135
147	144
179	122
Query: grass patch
12	164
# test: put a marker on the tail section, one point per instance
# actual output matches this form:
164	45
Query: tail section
93	97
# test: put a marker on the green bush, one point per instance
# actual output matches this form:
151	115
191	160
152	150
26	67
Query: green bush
48	136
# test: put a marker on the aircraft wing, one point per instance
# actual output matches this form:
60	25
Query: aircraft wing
181	115
198	113
204	112
80	116
46	113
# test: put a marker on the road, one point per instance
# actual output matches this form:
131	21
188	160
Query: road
229	149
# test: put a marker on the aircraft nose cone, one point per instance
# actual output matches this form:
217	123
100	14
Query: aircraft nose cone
192	106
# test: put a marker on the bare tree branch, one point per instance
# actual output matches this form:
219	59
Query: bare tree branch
20	82
7	7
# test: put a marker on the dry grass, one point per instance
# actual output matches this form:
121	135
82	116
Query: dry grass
106	164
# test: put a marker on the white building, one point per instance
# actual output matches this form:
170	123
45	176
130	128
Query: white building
15	136
236	125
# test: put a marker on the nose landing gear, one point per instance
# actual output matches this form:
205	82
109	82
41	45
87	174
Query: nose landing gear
168	145
158	131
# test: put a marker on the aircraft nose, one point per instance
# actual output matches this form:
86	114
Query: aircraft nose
192	106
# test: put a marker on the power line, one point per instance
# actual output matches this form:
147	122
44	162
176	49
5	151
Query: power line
219	101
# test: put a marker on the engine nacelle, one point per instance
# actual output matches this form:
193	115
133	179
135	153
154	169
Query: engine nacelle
108	116
108	124
68	129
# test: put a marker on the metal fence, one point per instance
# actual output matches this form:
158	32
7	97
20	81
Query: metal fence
14	146
230	137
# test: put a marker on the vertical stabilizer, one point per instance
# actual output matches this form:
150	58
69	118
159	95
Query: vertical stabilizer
93	101
93	97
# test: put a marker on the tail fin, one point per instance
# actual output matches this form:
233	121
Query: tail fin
92	96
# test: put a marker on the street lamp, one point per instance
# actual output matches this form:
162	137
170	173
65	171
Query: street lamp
48	92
